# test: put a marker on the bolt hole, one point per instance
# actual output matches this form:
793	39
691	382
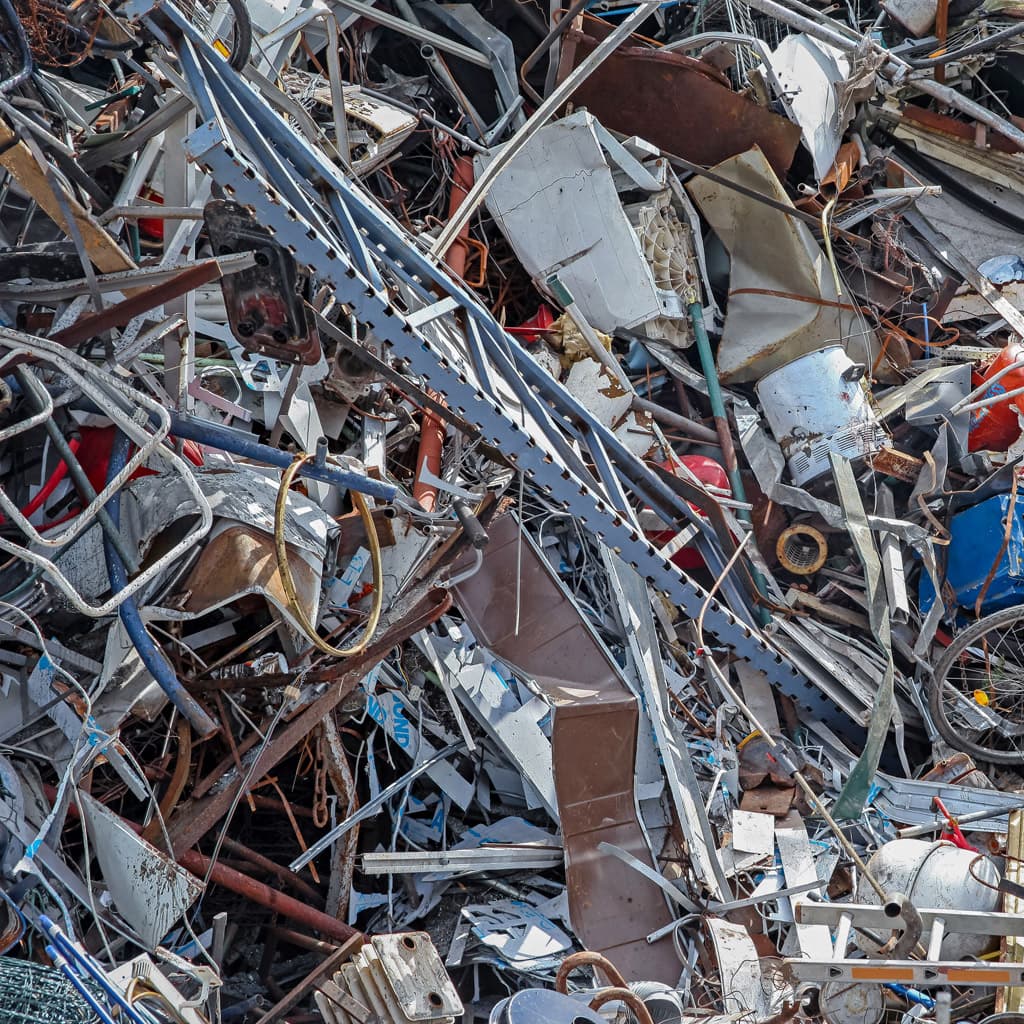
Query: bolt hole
409	942
435	999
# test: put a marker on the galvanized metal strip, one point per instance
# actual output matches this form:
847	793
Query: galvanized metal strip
208	148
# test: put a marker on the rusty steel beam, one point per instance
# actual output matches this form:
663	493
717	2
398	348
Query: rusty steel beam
142	301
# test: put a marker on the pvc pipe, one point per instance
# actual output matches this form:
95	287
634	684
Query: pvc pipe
694	430
433	429
984	403
154	660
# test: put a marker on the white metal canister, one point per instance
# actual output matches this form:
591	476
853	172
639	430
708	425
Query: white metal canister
818	404
935	876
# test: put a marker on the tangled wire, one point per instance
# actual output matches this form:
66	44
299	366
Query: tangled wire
54	39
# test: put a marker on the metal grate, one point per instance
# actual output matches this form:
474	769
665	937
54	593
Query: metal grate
33	994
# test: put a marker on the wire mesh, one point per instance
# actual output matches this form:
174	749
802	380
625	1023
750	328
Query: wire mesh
35	994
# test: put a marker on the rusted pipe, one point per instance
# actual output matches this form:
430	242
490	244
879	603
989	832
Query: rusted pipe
268	803
428	459
623	995
176	786
187	829
432	429
250	888
587	958
304	941
278	871
941	31
801	549
462	182
243	885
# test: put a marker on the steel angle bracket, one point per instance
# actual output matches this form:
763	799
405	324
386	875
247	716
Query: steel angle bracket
212	152
363	227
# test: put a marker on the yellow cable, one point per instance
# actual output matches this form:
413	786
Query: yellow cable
140	990
289	583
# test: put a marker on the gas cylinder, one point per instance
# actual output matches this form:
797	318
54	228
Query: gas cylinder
713	477
996	427
935	876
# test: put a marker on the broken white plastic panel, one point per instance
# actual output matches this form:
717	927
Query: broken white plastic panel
777	275
149	890
813	76
493	704
520	933
143	970
559	205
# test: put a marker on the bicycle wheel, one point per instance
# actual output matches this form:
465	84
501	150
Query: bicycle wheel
976	696
225	24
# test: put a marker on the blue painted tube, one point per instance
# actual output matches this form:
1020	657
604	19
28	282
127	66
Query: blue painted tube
226	439
152	657
75	964
65	968
912	995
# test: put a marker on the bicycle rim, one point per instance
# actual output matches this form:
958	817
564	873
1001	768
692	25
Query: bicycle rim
977	693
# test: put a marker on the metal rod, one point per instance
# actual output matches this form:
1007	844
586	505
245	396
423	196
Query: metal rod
707	362
251	889
424	35
961	819
226	439
32	388
693	429
372	806
895	66
544	46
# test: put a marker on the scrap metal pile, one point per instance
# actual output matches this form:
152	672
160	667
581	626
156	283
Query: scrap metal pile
511	513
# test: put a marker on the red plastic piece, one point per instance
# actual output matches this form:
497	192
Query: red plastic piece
996	427
94	454
953	835
714	477
527	331
151	228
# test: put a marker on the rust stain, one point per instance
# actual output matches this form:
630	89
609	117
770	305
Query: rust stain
683	106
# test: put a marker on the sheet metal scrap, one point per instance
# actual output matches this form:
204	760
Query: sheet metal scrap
481	493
